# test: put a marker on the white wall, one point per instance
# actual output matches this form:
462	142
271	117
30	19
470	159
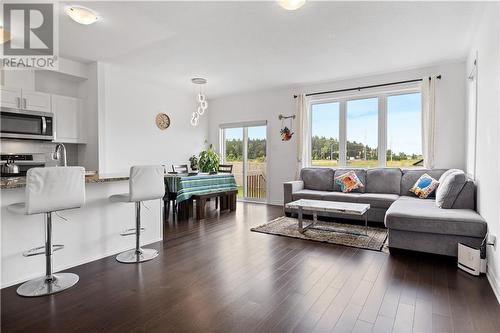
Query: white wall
267	105
486	44
127	131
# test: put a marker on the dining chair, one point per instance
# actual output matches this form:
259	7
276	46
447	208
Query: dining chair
171	197
182	168
223	168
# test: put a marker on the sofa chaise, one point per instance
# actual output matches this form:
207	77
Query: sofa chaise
413	223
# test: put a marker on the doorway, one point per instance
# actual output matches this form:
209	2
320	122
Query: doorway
244	146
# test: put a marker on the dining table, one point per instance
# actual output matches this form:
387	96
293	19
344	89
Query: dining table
184	186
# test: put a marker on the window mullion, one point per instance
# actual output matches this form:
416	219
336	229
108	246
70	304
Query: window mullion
343	133
245	161
382	130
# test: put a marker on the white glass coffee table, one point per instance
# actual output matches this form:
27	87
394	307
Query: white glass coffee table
315	206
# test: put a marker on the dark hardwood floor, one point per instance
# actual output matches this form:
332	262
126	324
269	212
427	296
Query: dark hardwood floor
216	275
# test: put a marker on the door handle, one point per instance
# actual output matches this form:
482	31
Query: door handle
44	126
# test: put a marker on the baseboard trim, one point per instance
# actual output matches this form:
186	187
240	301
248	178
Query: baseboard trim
494	284
275	203
84	261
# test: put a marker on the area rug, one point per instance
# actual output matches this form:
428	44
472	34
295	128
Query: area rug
327	232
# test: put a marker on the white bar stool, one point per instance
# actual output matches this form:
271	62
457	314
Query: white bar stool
146	183
50	190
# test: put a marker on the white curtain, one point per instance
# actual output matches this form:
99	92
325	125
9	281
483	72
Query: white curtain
429	120
303	134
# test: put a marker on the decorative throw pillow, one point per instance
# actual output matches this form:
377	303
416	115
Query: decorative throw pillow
424	186
348	181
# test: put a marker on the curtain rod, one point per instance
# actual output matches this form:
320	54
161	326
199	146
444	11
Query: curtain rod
365	87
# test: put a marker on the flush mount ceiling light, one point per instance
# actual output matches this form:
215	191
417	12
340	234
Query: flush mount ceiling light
201	101
4	35
291	4
82	15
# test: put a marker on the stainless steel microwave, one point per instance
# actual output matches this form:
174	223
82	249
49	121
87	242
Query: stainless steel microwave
20	124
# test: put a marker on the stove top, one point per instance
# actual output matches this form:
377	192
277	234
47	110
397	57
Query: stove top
24	161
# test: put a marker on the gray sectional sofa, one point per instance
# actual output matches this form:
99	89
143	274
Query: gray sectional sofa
413	223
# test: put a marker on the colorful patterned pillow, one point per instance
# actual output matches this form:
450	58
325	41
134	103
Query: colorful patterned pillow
348	182
424	186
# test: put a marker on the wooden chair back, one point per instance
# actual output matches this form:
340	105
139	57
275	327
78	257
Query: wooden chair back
182	168
225	168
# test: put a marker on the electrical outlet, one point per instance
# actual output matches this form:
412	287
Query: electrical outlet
492	240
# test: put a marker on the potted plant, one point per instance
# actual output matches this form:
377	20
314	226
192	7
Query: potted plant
193	160
209	160
286	134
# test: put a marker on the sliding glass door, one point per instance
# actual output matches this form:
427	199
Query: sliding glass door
233	154
244	146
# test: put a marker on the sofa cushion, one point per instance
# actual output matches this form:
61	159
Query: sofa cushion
361	173
383	180
378	200
410	176
467	197
320	179
422	215
342	197
451	184
308	194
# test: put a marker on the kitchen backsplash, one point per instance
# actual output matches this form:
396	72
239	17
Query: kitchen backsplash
25	146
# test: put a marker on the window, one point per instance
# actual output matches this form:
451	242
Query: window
368	130
325	134
404	130
362	132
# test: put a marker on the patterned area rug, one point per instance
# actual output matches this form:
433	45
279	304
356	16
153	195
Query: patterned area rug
327	232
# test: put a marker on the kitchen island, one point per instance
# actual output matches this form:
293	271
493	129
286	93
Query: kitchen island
90	233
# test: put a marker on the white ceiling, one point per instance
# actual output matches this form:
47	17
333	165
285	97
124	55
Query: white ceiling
243	46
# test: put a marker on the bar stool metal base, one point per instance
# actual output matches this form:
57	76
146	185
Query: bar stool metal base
42	286
133	256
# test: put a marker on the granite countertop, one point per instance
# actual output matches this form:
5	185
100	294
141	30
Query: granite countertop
17	182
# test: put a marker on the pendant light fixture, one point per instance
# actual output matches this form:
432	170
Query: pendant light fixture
201	102
291	4
4	35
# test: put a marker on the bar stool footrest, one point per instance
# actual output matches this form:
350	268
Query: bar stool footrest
129	232
41	250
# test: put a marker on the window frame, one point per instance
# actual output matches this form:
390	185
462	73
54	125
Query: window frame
342	98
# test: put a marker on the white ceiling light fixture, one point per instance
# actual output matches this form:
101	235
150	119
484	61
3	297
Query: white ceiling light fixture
4	35
82	15
202	102
291	4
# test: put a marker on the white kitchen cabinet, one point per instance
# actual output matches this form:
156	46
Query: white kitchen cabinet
69	120
16	98
10	97
35	101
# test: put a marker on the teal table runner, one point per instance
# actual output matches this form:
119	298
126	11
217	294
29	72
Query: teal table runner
187	186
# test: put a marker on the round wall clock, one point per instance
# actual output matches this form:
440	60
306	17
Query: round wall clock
162	121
